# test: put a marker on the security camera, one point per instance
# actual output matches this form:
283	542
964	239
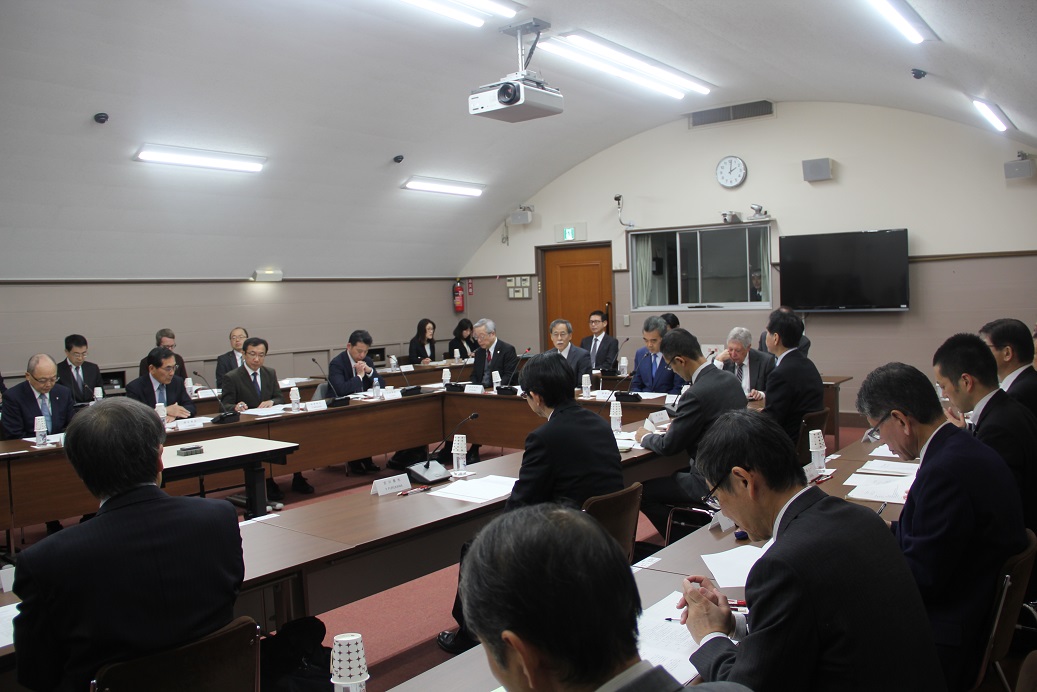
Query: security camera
101	118
618	198
918	74
756	207
398	158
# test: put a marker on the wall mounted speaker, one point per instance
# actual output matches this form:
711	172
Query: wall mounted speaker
1025	168
817	169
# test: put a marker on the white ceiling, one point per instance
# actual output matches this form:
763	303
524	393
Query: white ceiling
331	90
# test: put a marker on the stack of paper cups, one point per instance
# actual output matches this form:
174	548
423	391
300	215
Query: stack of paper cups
460	444
817	449
616	415
586	385
457	355
189	386
40	427
349	663
496	378
446	374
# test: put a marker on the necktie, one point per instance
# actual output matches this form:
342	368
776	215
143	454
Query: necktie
594	351
79	378
487	377
738	372
160	397
655	364
45	410
255	382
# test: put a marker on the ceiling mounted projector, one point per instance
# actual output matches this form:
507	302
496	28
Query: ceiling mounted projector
522	95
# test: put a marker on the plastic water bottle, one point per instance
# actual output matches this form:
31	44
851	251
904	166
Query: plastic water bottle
586	385
376	389
294	397
394	364
460	454
623	366
40	426
160	409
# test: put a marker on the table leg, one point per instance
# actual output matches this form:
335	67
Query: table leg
255	491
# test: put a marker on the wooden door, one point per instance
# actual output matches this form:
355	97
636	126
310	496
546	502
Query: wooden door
577	280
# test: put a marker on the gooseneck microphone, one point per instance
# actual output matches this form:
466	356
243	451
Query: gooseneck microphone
612	371
225	416
627	395
409	390
508	390
457	386
338	400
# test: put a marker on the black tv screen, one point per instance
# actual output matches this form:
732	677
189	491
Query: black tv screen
828	272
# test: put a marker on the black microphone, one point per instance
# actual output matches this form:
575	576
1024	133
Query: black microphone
457	386
627	396
338	400
225	416
508	390
408	390
432	455
613	371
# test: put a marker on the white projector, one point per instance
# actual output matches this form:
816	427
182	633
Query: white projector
515	101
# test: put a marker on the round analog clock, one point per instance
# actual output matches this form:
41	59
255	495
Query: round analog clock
731	171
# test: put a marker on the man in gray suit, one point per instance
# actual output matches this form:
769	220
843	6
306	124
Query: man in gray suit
750	366
877	638
544	630
579	359
711	393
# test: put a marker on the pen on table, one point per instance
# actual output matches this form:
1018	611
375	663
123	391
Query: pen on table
882	507
419	489
822	479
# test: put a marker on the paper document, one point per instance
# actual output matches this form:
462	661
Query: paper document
731	567
271	411
664	643
7	614
292	381
861	479
477	490
892	490
652	395
883	451
671	399
434	387
58	439
889	468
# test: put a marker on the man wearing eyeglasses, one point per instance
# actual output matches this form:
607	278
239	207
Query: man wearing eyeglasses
81	377
232	359
579	359
39	395
162	386
874	636
165	338
603	348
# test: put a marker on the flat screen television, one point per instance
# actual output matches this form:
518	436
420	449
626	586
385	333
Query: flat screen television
835	272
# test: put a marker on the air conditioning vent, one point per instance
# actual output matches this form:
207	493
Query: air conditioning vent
741	111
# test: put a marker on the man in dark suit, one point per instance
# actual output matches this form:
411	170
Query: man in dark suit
39	395
493	355
165	338
651	374
804	342
604	348
232	359
963	503
1012	346
149	572
966	371
794	387
712	392
81	377
161	385
352	372
571	457
523	603
750	366
579	359
878	639
254	385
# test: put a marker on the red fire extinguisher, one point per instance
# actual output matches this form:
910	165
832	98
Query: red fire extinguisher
458	291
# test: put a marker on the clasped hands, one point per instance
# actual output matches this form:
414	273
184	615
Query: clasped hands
362	369
705	609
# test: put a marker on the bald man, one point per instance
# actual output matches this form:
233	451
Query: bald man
39	395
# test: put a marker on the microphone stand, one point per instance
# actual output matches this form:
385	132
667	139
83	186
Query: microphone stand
431	470
409	390
224	416
457	386
613	371
338	400
508	390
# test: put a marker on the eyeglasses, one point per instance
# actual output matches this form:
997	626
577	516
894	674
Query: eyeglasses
559	335
168	368
709	499
255	354
596	321
872	434
77	354
45	380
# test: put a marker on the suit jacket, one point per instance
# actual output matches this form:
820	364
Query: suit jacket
151	572
181	367
344	379
876	640
804	343
963	504
1024	389
224	364
665	380
608	351
656	679
504	361
21	408
1010	429
417	352
760	365
142	390
580	362
571	457
794	389
237	386
91	379
461	345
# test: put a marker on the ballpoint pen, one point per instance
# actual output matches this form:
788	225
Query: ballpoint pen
882	507
419	489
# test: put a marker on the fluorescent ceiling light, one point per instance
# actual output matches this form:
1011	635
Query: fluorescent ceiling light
448	10
628	67
993	113
449	187
182	156
601	48
491	7
908	22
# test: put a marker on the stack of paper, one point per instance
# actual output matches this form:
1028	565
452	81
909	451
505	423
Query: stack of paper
667	643
731	567
477	490
880	480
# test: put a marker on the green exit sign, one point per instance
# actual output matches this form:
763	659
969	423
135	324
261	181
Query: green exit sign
569	233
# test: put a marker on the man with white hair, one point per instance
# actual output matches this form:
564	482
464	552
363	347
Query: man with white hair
750	366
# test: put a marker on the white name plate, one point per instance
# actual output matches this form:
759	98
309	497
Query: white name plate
190	423
406	368
390	394
721	522
392	484
659	418
474	389
318	405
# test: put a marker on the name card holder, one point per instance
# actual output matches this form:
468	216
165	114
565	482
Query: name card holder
318	405
190	423
659	418
474	389
406	368
721	522
390	394
392	484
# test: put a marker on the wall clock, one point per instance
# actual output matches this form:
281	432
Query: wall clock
731	171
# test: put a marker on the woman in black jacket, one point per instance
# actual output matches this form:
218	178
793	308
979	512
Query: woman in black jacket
462	340
423	345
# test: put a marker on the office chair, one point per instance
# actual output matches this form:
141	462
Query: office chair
225	661
811	421
684	520
321	392
1027	681
618	513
